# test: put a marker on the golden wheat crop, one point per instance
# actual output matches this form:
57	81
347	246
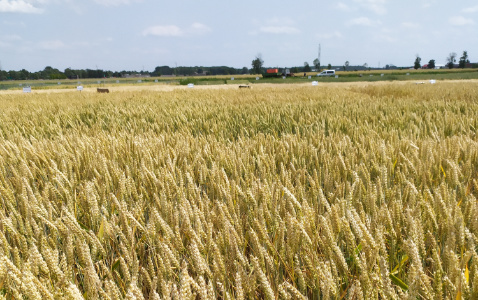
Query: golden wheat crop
293	192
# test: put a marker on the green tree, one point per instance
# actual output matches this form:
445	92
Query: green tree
317	64
451	59
346	65
3	75
463	60
417	64
24	74
306	67
431	64
257	64
329	66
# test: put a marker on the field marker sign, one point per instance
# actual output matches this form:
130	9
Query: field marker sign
315	83
190	85
79	88
27	89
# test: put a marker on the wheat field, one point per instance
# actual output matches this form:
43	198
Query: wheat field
354	192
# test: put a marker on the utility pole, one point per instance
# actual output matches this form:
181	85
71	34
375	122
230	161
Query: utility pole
319	54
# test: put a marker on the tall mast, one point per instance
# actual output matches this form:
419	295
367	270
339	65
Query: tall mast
319	54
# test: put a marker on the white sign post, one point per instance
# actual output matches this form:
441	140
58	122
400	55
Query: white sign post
79	88
257	78
315	83
27	89
190	85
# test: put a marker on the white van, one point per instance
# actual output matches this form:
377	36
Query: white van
327	73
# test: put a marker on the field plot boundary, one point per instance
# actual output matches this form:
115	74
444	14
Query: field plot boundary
166	88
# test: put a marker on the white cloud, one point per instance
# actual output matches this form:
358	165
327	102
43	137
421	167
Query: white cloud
377	6
199	29
388	38
19	6
115	2
410	25
460	21
12	37
282	21
163	30
363	21
51	45
472	9
279	30
275	25
330	35
175	31
342	6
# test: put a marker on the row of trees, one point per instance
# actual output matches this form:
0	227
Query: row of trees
189	71
52	73
451	60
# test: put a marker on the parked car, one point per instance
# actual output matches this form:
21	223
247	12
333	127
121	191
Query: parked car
327	73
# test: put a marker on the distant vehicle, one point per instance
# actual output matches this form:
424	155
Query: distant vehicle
276	73
327	73
271	73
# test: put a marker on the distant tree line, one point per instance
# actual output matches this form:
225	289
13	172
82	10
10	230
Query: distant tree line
52	73
464	62
191	71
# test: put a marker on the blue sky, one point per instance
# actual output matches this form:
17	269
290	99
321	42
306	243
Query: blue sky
142	34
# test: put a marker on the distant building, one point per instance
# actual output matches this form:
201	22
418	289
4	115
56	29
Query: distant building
135	75
437	66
